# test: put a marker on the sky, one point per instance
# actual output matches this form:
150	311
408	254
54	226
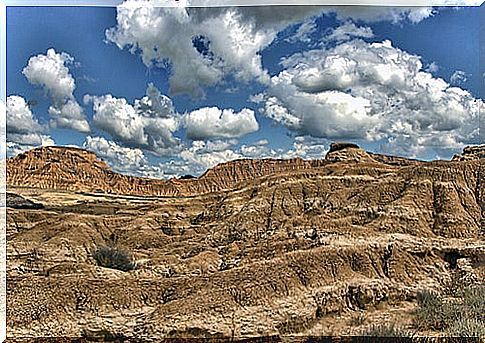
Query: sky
163	92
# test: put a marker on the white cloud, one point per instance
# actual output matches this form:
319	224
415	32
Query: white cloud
19	116
228	43
347	31
13	149
204	45
193	160
393	14
17	143
200	156
118	157
257	149
130	161
212	122
30	140
24	132
258	98
464	2
459	78
147	124
307	148
304	32
372	91
50	72
69	115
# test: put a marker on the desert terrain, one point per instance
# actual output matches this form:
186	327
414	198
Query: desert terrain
252	248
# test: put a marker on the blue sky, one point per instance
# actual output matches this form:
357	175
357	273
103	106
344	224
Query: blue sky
423	119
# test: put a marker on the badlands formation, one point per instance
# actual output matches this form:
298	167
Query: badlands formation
252	248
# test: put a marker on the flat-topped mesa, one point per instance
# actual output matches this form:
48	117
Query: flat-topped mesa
471	153
348	152
342	145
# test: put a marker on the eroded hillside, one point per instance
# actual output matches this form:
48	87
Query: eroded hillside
251	248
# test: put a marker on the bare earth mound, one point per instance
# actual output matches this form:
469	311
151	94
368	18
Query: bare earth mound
251	248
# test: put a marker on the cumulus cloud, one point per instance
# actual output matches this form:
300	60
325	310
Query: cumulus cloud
308	148
195	159
305	147
24	132
202	46
69	115
257	149
50	72
374	92
130	161
121	156
19	117
212	122
202	156
463	2
432	68
149	123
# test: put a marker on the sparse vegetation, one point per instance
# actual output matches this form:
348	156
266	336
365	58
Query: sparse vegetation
459	316
386	330
114	257
467	327
433	313
358	320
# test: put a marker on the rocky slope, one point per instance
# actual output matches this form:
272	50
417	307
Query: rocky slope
259	248
79	170
74	169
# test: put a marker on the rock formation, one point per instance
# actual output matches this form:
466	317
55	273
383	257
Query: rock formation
471	153
251	248
79	170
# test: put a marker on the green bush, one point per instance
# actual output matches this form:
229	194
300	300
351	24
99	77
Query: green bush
114	257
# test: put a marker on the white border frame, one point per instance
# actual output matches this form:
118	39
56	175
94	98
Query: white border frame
162	3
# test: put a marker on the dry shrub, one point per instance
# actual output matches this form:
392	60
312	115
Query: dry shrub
114	257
